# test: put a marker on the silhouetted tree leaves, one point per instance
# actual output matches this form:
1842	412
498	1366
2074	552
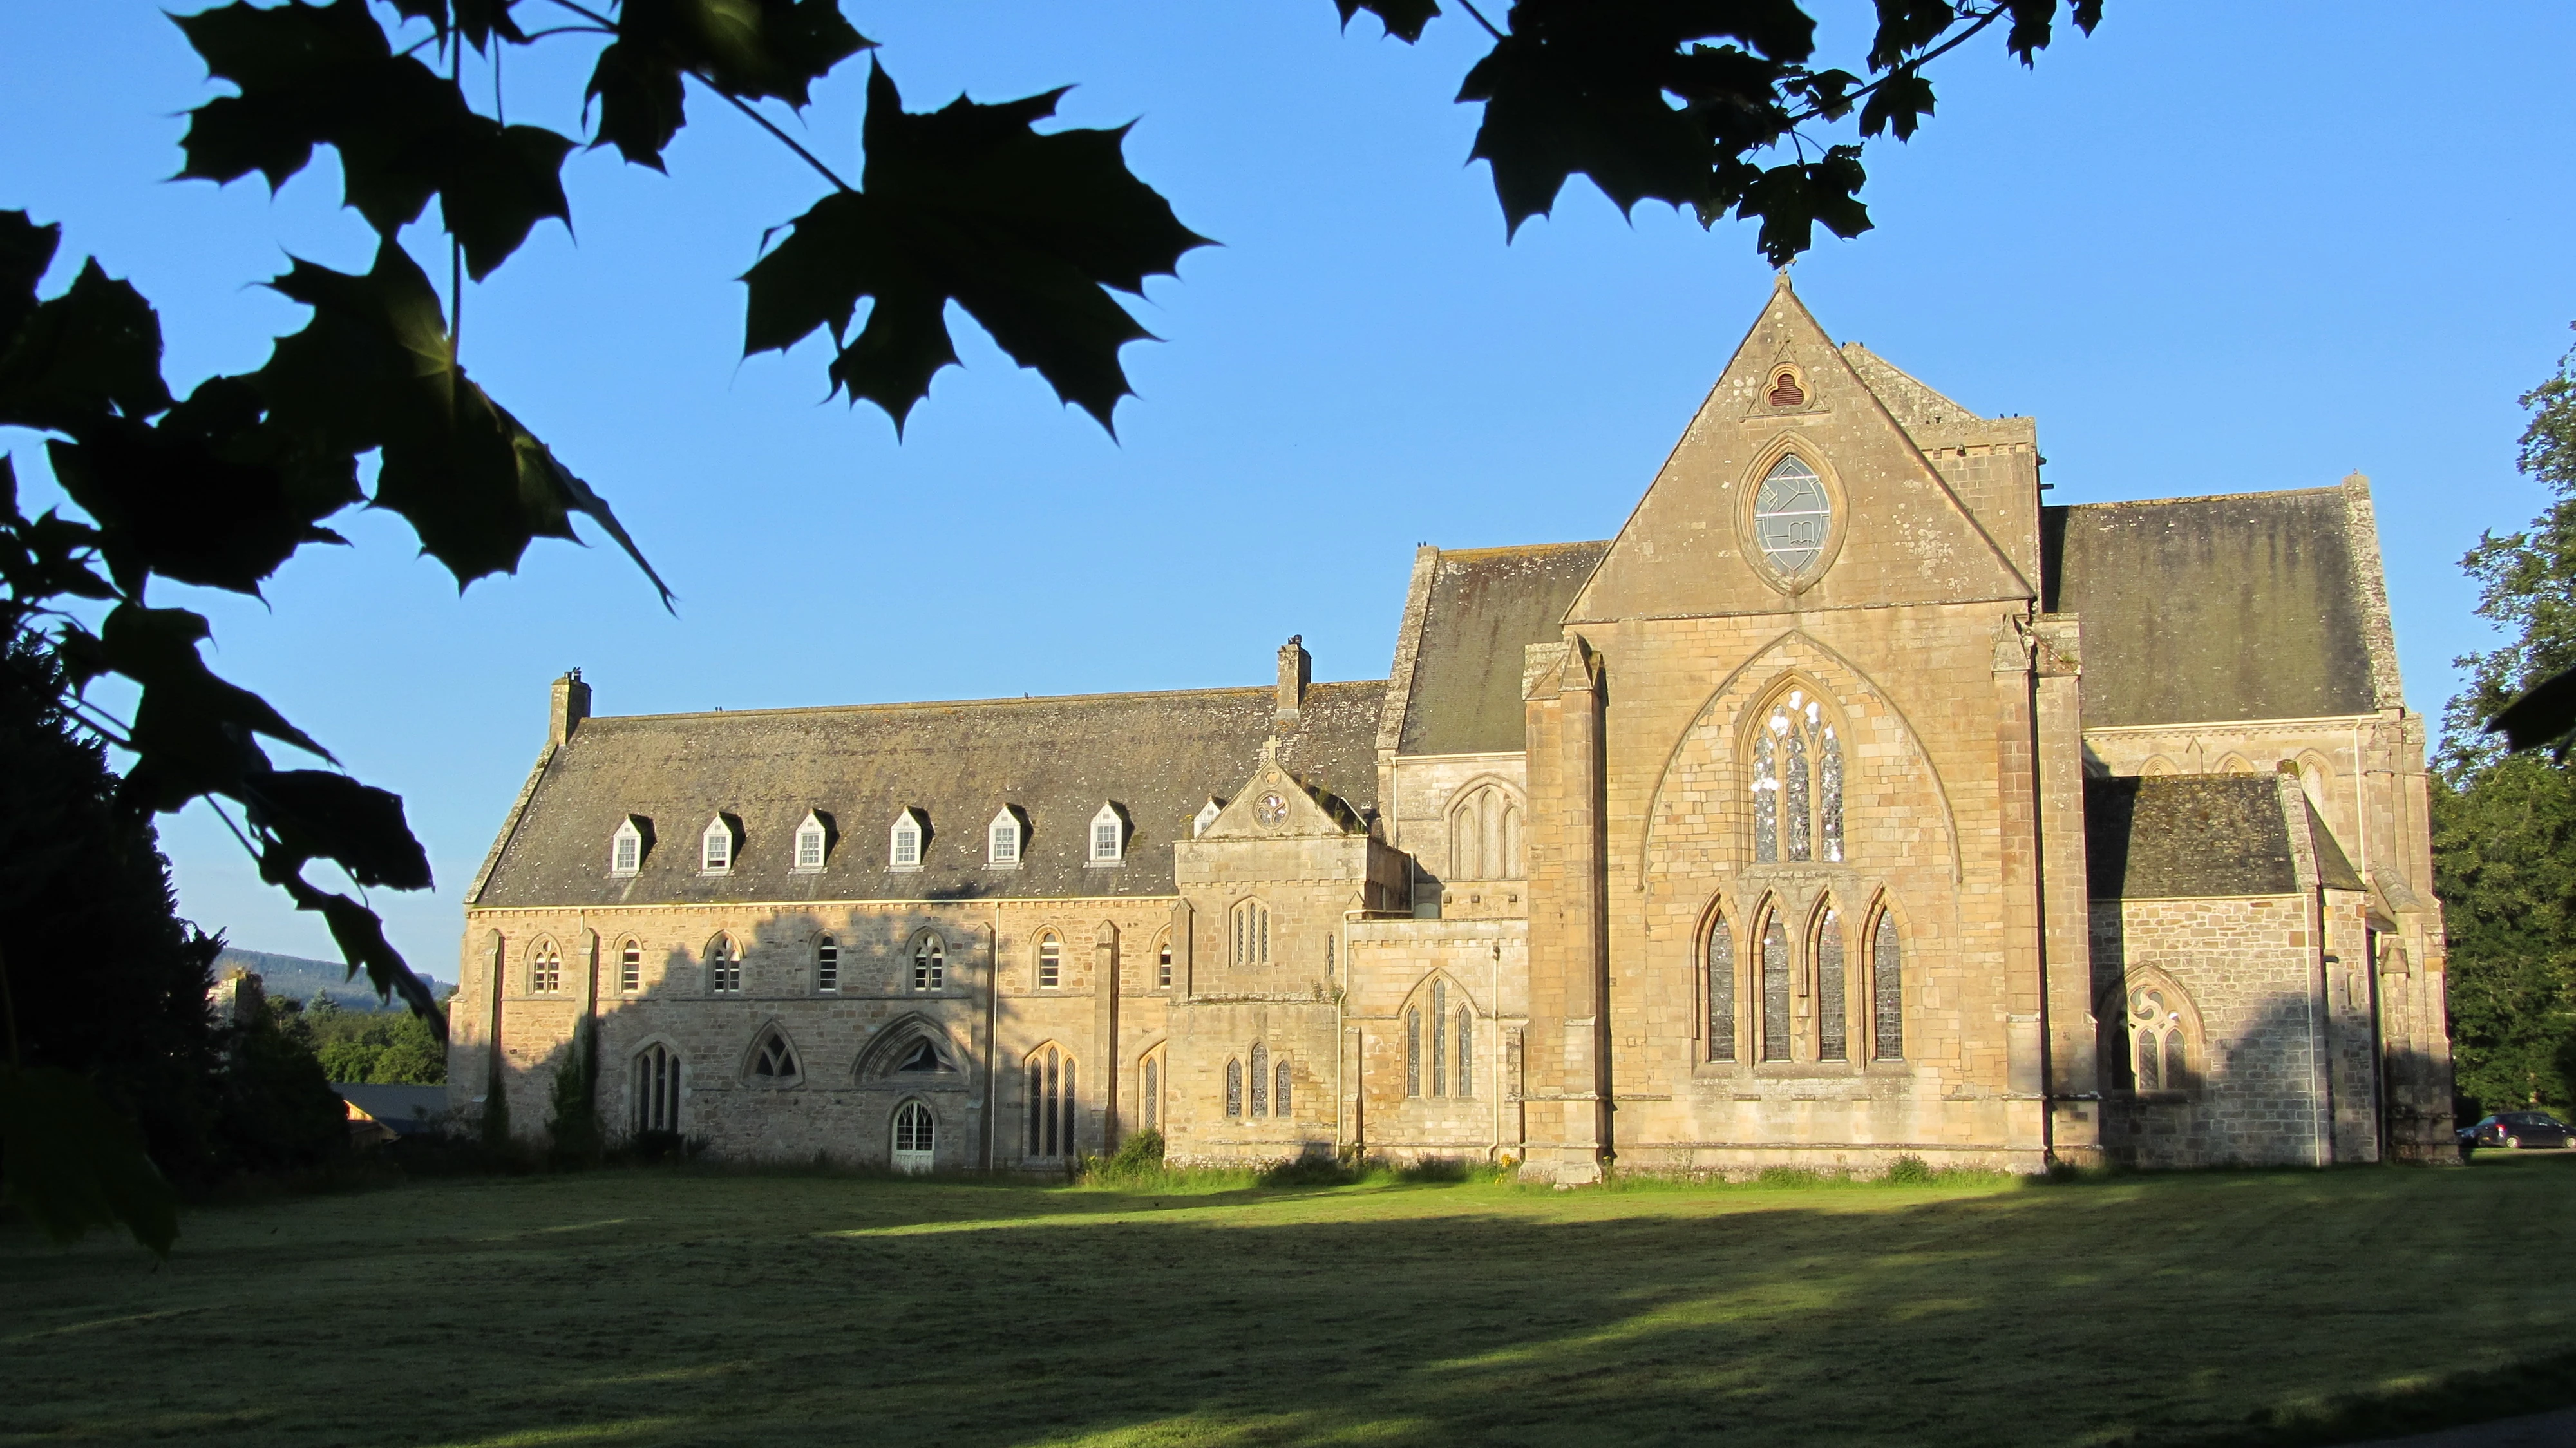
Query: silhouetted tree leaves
302	814
970	203
749	49
95	347
1403	19
325	75
375	368
477	20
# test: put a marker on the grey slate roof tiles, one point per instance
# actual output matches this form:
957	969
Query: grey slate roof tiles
1157	756
2248	606
2189	836
1487	606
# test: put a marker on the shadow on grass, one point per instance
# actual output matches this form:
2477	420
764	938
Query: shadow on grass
697	1305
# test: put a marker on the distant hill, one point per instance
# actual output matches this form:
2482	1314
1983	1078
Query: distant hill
293	975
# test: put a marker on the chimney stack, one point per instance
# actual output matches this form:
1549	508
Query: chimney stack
1296	666
571	705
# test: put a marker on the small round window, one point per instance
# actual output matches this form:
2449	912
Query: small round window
1790	516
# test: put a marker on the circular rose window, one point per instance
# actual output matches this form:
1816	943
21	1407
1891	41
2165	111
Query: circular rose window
1790	516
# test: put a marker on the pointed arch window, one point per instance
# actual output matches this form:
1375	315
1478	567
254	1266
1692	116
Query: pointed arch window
813	840
656	1093
1251	933
1833	1028
773	1061
904	840
1721	990
1234	1087
1050	961
715	847
827	964
1775	991
1260	1079
1152	1102
1279	1088
1791	516
2159	1038
1051	1103
1797	783
1002	840
724	967
1887	992
1413	1052
1485	835
1440	1038
929	963
630	967
545	969
1465	1079
1163	965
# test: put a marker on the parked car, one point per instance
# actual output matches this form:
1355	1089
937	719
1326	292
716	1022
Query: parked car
2517	1129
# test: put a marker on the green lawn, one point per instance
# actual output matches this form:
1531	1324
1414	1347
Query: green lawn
670	1307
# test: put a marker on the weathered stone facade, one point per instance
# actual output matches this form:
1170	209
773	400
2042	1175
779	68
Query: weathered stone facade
1848	804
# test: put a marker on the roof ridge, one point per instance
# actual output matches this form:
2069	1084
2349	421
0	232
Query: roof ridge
2197	498
1448	553
1254	690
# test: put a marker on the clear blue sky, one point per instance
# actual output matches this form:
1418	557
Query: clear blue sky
2215	247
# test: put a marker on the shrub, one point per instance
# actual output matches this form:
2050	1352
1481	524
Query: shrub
1139	1155
1909	1171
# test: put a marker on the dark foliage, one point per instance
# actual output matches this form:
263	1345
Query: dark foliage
277	1110
2504	823
384	1048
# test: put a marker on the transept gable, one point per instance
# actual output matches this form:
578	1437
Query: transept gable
1795	489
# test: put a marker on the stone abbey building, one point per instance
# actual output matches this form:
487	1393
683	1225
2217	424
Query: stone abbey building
1849	803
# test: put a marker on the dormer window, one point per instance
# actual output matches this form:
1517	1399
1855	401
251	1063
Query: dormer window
903	842
1108	836
715	847
812	840
626	848
1206	816
1002	840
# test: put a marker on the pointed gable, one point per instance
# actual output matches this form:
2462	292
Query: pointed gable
1790	401
1275	803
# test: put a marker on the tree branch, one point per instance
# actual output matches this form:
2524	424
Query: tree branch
1984	19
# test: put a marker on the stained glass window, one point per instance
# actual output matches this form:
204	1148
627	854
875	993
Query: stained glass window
1439	1038
1831	1024
1260	1080
1279	1090
1234	1088
1466	1052
1887	986
1775	991
1413	1052
1721	991
1153	1094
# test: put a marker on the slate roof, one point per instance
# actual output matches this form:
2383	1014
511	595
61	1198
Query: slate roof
2248	606
406	1109
1159	756
2187	836
1487	605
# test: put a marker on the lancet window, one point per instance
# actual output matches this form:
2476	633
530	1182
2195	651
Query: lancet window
1833	1027
1051	1103
630	967
1485	836
545	969
929	963
657	1089
1153	1094
1251	933
1050	962
1797	783
1721	990
724	967
827	964
1279	1088
1775	991
1234	1087
1260	1079
1887	991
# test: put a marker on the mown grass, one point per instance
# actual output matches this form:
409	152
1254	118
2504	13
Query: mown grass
693	1306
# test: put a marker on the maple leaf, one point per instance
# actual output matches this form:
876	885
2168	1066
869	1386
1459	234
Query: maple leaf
375	368
969	203
314	75
748	49
1403	19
